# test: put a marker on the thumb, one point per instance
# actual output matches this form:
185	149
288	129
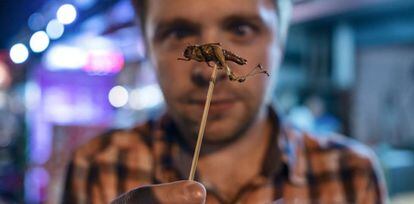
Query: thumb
185	192
181	192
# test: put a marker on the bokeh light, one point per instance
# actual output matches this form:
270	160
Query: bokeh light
118	96
36	22
39	41
63	57
146	97
19	53
54	29
66	14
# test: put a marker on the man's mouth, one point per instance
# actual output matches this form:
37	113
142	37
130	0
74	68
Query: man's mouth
216	105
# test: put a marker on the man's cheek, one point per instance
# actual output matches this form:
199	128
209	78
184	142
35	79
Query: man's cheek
166	82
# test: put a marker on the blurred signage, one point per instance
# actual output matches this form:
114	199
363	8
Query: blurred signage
104	61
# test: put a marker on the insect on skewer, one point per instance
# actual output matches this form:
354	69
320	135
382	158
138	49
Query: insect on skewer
207	53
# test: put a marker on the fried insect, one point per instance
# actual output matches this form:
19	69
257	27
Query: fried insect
213	52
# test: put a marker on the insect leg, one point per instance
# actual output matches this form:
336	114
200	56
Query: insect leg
233	57
257	70
230	74
260	71
219	55
252	72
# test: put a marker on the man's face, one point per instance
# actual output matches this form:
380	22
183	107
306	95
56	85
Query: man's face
247	28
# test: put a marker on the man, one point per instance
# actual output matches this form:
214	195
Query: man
248	154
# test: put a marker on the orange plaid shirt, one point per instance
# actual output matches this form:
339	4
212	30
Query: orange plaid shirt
309	169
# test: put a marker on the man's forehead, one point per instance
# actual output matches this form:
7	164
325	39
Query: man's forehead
161	10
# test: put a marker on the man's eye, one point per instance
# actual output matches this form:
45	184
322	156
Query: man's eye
179	33
241	29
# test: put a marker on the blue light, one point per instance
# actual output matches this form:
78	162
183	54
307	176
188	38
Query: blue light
36	22
54	29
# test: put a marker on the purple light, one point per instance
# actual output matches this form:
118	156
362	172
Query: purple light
36	183
82	103
40	142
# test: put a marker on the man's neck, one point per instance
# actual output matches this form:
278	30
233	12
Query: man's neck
240	161
247	143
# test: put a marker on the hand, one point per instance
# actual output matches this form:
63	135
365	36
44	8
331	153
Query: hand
190	192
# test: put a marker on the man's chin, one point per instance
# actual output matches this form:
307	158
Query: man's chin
220	135
219	139
215	132
221	126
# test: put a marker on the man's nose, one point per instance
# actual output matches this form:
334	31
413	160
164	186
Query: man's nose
201	74
211	34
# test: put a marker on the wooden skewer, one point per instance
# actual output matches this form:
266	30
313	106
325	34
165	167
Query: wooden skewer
203	124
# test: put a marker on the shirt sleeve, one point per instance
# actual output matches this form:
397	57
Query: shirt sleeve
365	182
375	191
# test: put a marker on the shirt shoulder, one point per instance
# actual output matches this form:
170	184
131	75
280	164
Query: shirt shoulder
348	163
346	152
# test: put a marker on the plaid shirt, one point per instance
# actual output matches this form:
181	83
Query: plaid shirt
298	167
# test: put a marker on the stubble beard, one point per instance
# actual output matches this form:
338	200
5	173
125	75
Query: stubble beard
218	138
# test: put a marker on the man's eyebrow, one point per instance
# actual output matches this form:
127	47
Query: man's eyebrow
242	17
163	25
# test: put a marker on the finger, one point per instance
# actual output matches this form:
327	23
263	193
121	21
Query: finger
137	196
190	192
183	192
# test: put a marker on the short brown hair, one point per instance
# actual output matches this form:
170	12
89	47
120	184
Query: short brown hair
283	8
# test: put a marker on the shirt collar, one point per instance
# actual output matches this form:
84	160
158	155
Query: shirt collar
290	149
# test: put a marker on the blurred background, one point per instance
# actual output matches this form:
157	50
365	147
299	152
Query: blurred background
70	69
